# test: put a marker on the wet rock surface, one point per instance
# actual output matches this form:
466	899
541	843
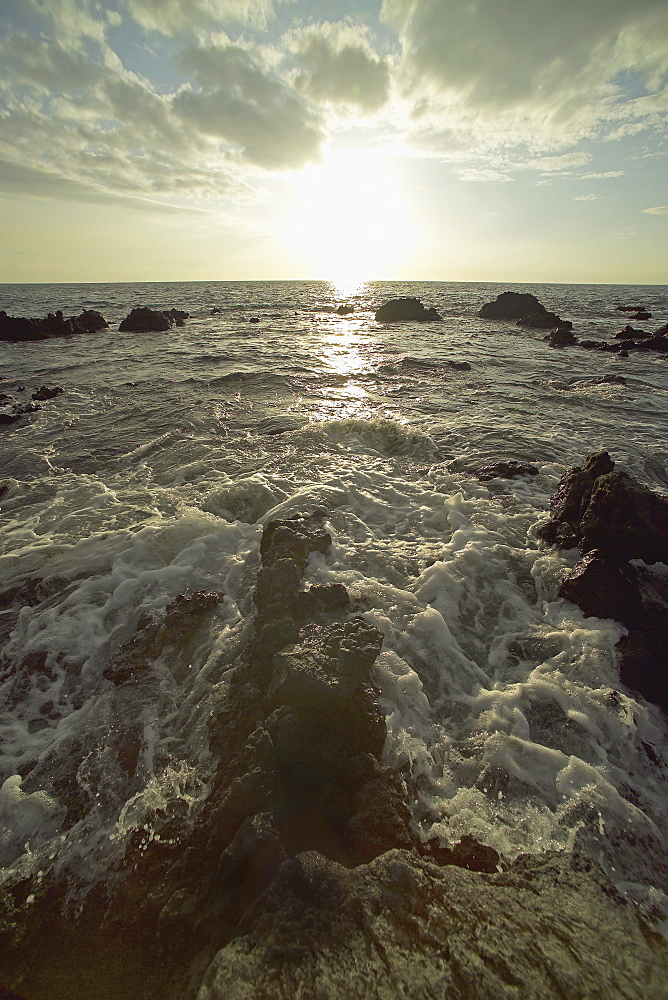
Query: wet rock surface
19	328
405	309
506	470
402	927
145	320
525	309
298	871
616	521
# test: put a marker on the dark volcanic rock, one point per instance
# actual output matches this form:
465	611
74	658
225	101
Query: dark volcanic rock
405	309
54	325
630	309
546	321
47	392
512	305
641	314
604	589
145	320
629	332
569	503
657	342
506	470
400	927
344	310
525	309
89	321
615	519
563	337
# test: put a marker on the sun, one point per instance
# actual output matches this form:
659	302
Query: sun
347	221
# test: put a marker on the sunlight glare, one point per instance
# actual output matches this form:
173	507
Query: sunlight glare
348	219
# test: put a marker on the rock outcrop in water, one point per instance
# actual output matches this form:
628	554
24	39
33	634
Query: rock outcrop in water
298	873
405	309
525	309
615	520
18	328
145	320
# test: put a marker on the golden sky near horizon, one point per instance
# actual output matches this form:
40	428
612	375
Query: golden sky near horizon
403	139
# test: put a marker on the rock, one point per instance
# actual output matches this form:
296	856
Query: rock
45	392
9	418
401	927
145	320
615	519
571	500
52	325
662	331
525	309
89	321
641	314
628	333
609	510
630	309
562	337
179	316
657	342
547	321
512	305
506	470
604	589
625	520
344	310
405	309
254	319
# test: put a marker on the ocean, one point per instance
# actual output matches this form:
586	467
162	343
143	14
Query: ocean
153	474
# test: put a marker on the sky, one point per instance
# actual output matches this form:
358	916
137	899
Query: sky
343	140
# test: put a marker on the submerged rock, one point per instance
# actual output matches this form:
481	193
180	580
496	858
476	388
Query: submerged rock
48	392
506	470
405	309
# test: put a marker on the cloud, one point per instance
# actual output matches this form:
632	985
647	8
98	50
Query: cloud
551	73
604	174
483	175
337	65
17	179
242	102
173	16
585	197
657	210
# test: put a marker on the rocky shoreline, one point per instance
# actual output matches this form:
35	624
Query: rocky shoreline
301	874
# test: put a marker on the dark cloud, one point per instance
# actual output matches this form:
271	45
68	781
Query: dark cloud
338	66
544	68
243	103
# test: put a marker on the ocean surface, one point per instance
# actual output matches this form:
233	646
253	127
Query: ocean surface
155	471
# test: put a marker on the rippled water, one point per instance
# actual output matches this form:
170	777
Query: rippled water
154	472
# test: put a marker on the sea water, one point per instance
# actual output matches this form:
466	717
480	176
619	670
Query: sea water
154	473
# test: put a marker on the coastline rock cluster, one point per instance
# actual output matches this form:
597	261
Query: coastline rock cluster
300	874
18	328
621	530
